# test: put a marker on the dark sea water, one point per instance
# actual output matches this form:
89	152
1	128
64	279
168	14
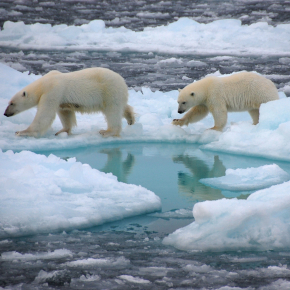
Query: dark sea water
130	252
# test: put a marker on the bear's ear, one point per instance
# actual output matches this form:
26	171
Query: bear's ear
24	94
179	90
192	94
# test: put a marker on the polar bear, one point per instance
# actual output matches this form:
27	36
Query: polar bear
86	91
243	91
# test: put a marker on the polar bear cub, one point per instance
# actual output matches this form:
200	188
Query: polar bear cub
243	91
86	91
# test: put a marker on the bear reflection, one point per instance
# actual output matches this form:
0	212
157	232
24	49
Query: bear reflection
189	183
116	165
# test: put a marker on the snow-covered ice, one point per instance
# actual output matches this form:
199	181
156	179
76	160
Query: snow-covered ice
267	139
249	178
44	194
183	36
262	222
155	112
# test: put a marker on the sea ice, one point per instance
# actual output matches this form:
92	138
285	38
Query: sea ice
44	194
261	222
56	254
249	178
183	36
154	114
268	139
103	262
136	280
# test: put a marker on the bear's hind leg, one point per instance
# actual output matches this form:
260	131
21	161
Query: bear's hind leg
114	121
129	115
68	120
255	116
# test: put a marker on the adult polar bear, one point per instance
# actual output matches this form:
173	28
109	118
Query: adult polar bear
243	91
86	91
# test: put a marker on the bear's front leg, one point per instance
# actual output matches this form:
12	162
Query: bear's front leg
195	114
26	133
43	119
220	116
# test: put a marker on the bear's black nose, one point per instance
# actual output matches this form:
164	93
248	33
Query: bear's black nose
180	112
8	115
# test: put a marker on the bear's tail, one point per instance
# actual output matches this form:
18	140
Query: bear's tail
129	115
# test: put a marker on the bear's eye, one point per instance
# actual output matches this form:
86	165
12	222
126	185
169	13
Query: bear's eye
192	94
11	104
24	94
183	103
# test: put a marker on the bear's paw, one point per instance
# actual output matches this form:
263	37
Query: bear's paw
178	122
108	133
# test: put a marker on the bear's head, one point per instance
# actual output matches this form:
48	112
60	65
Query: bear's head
25	99
192	95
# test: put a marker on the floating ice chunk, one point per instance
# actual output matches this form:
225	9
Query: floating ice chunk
102	262
196	63
248	259
155	271
262	222
44	194
56	254
153	15
90	278
136	280
284	60
53	277
170	62
176	214
279	284
249	178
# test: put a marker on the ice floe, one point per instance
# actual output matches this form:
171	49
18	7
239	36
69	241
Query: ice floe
261	222
45	194
183	36
249	178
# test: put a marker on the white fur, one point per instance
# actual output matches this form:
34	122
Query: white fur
86	91
244	91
